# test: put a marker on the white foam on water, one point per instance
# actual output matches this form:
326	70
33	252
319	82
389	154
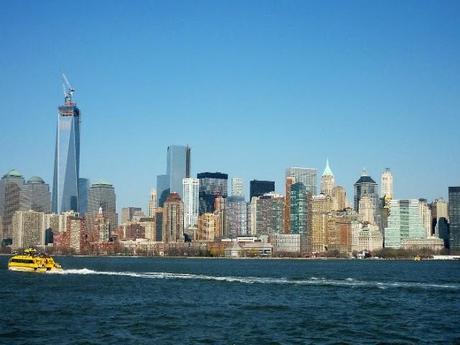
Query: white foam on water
348	282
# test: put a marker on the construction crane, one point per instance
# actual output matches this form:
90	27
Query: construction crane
68	89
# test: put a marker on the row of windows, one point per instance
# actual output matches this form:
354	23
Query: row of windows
23	261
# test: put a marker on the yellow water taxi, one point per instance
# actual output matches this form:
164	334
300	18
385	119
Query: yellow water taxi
31	261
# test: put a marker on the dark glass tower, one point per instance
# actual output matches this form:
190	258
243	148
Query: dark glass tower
212	185
178	167
259	188
454	218
67	155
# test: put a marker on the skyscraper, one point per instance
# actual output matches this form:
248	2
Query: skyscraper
162	189
11	199
212	185
366	186
37	195
83	189
173	219
454	218
235	217
153	204
300	209
269	214
102	194
386	184
404	223
259	188
178	167
191	201
67	155
237	186
307	176
327	180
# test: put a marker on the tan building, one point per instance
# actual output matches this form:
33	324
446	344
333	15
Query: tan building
321	206
433	243
287	205
207	227
219	212
339	231
367	209
366	237
339	197
173	219
28	229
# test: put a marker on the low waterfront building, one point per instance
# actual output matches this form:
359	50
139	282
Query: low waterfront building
285	243
433	243
366	237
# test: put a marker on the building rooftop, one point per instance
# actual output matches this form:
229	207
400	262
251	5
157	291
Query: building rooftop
36	179
365	179
327	170
12	173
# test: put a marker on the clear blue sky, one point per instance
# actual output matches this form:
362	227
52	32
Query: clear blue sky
252	86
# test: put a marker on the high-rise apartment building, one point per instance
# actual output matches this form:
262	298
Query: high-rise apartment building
404	223
307	176
207	226
269	214
327	180
237	187
454	218
173	219
235	217
67	156
259	188
386	183
191	191
178	165
212	185
28	229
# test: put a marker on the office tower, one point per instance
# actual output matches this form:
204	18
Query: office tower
327	180
287	204
162	189
128	214
235	216
237	186
339	198
67	155
83	190
102	228
12	199
300	209
37	195
425	216
386	183
366	186
321	205
153	204
404	223
207	227
158	215
191	191
259	188
102	194
28	229
307	176
178	167
340	231
173	219
366	237
212	185
269	214
454	218
439	210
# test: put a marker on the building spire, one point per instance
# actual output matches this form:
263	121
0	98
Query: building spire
327	170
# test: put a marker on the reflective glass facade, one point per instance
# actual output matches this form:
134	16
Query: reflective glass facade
454	218
67	159
178	167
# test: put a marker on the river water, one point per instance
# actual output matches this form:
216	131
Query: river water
218	301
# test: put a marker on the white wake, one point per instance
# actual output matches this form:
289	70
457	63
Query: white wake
348	282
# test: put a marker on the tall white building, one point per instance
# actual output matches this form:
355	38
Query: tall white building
190	191
237	186
28	229
386	183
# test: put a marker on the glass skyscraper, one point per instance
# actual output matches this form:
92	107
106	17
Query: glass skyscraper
178	167
307	176
259	188
212	185
67	156
454	218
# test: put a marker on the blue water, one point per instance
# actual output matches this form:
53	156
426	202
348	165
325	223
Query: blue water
217	301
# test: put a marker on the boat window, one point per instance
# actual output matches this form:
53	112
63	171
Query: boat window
23	261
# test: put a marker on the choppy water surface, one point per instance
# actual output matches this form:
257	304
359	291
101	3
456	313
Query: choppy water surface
177	301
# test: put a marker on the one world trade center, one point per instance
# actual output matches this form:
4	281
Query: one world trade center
67	154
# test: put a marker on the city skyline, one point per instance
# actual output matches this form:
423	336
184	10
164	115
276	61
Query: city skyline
360	101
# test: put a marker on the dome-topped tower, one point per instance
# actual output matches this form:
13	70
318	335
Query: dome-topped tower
327	180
